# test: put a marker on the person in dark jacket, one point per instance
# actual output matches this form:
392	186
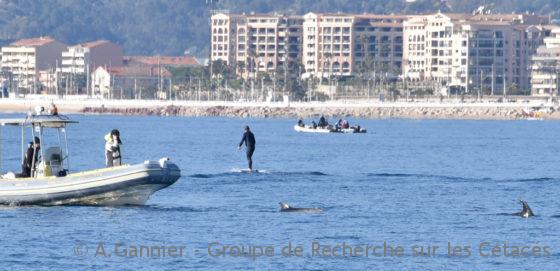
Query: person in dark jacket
300	123
31	158
322	122
249	140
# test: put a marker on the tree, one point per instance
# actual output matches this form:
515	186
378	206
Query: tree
173	26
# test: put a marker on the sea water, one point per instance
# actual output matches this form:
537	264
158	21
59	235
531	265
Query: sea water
409	194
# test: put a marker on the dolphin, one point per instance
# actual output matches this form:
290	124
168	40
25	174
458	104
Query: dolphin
526	212
284	207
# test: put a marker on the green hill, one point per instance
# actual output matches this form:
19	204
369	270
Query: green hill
169	27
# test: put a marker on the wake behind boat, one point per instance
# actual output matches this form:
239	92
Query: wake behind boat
51	183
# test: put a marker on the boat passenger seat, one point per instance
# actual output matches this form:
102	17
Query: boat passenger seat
53	156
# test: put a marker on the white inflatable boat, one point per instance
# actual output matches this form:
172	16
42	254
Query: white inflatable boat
51	182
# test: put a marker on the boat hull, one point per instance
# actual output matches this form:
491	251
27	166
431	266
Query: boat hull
124	185
309	129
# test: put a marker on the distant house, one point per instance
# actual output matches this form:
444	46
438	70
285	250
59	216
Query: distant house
25	58
130	82
88	56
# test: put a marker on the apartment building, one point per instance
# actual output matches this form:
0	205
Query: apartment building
342	44
325	44
257	43
223	28
545	66
487	53
25	58
81	58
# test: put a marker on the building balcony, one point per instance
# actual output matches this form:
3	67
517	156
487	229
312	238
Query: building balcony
73	63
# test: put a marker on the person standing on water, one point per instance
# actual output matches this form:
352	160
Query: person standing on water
249	140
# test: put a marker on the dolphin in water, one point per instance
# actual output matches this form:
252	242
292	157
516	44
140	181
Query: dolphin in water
526	212
284	207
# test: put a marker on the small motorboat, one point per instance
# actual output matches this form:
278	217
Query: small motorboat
311	129
328	129
353	130
52	183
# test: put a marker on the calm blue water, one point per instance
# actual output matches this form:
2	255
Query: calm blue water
405	183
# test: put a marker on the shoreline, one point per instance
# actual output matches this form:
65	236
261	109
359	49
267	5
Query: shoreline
485	110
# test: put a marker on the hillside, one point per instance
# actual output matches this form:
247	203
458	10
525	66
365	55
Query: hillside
169	27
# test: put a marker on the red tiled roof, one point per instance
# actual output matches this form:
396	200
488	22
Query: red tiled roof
92	44
332	14
33	41
146	71
161	60
383	16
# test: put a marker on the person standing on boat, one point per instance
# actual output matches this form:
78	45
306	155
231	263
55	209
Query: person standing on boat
338	124
53	110
249	140
113	148
31	158
323	122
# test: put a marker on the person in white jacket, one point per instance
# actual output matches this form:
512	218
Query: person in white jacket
113	148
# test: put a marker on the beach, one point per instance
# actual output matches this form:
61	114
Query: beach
368	109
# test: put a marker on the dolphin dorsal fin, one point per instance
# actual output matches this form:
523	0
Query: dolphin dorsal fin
284	206
526	209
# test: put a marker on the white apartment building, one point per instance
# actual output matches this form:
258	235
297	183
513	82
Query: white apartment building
327	44
545	67
223	28
25	58
81	58
475	52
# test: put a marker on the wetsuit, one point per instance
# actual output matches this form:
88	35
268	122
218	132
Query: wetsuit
249	140
322	122
28	164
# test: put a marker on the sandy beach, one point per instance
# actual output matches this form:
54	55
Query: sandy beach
371	109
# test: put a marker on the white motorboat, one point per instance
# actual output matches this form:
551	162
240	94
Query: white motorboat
52	183
328	129
310	129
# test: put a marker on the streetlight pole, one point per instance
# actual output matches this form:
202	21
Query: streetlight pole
493	76
480	89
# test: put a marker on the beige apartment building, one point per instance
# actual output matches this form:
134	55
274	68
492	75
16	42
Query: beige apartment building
25	58
325	44
257	43
342	44
81	58
545	67
477	53
481	53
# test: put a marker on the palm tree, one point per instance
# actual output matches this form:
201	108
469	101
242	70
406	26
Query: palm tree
363	68
328	57
251	72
